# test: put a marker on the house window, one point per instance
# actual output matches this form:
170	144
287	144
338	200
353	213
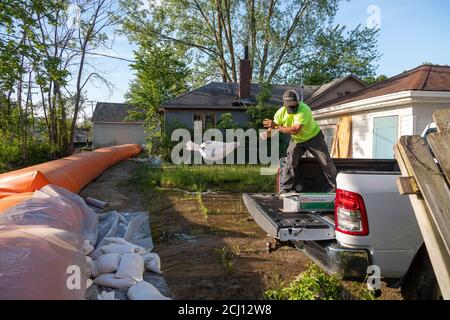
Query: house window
206	120
329	133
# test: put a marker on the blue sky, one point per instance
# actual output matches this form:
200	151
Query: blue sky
411	32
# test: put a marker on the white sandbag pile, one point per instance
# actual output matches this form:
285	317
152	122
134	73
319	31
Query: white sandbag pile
119	264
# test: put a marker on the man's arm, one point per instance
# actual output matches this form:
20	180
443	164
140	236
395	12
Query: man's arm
286	130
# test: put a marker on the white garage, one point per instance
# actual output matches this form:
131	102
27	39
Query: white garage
112	125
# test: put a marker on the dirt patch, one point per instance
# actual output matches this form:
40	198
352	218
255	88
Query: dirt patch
210	248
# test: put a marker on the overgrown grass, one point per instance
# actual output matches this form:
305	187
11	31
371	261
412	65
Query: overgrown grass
202	206
315	284
234	178
226	258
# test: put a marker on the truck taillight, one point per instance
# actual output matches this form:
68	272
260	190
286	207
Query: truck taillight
350	214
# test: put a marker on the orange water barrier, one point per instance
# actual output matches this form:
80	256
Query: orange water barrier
72	173
13	200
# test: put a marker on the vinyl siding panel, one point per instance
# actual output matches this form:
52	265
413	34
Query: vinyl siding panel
110	134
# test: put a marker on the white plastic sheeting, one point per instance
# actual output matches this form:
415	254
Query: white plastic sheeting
43	242
41	263
133	227
55	207
212	150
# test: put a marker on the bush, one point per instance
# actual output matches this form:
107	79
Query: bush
315	284
11	153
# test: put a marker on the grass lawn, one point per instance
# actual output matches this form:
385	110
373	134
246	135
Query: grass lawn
234	178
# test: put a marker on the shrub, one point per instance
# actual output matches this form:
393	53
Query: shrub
315	284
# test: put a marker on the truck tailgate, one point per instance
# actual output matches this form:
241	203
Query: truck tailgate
303	226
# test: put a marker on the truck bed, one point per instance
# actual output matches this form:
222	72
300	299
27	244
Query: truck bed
265	209
314	180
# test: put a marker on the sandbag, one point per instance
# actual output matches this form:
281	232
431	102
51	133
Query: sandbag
39	262
145	291
116	245
107	296
212	150
131	266
152	262
106	263
89	266
108	280
73	172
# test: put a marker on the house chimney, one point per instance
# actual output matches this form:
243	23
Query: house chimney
245	76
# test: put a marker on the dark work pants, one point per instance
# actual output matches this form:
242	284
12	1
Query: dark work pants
319	149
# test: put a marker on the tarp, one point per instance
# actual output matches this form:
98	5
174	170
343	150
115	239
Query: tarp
36	263
13	200
42	246
55	207
73	172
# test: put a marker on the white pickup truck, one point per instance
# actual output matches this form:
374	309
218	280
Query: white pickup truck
372	225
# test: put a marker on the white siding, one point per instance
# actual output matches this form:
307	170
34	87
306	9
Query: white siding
110	134
423	115
363	129
361	136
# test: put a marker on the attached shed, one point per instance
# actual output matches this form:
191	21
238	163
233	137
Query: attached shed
111	125
380	114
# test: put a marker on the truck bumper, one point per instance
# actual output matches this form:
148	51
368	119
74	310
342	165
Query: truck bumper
351	264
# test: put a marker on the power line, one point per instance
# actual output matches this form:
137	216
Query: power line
76	50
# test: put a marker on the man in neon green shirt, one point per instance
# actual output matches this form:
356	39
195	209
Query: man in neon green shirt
295	118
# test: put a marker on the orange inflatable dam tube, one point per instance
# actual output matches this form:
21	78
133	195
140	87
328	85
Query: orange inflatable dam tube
73	172
13	200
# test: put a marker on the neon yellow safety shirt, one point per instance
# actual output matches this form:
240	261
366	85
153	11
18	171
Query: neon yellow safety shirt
302	116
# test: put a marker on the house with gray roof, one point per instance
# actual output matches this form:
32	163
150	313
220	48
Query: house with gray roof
207	104
112	126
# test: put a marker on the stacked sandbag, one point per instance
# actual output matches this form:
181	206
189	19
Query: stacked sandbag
43	245
119	264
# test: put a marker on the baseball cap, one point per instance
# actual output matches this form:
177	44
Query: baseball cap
290	101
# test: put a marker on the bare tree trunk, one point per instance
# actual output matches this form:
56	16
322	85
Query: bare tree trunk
90	34
263	65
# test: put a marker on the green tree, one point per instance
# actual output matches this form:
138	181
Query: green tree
226	122
338	53
284	38
374	80
159	76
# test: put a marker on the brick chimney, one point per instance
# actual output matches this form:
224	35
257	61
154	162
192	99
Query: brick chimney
245	76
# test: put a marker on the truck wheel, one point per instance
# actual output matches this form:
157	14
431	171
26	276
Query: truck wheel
420	282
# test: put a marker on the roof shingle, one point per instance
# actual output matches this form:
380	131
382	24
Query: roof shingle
222	95
112	112
422	78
